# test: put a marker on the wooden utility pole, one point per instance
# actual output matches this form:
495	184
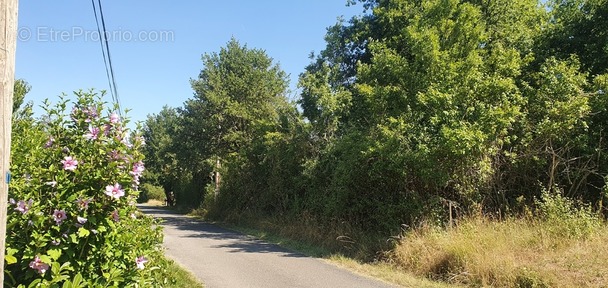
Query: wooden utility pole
8	45
217	178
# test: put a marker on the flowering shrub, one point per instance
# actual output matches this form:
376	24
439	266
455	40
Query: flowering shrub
72	218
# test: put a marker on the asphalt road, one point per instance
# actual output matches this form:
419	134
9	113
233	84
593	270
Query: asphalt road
223	258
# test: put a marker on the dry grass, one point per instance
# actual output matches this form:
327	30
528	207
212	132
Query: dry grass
564	245
513	253
386	272
154	202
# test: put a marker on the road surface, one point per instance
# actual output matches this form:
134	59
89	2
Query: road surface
222	258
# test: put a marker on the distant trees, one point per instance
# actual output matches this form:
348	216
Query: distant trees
412	105
240	96
160	149
21	88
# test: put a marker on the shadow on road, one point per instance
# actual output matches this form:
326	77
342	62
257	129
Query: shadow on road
232	241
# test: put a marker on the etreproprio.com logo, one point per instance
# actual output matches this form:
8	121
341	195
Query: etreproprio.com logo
50	34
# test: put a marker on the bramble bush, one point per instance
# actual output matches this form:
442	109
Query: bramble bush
72	219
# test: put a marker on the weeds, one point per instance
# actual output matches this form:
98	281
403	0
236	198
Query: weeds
564	247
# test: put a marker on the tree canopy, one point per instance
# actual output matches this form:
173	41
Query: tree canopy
482	104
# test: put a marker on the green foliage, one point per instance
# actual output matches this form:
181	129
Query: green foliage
414	112
579	27
150	192
20	89
566	219
71	218
238	93
240	96
162	154
435	99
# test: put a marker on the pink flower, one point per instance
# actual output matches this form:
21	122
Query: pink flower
92	112
114	118
115	155
106	129
138	169
23	207
38	265
81	220
49	143
69	163
115	191
140	261
115	216
92	134
59	216
83	204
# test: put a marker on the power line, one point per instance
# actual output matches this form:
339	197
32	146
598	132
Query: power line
103	23
105	51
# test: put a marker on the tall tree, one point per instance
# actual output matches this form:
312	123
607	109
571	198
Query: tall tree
238	97
239	91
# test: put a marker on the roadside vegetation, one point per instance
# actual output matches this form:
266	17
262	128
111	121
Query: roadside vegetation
435	136
71	219
174	276
563	248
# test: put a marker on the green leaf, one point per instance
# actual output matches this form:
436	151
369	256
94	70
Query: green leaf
46	259
54	253
11	251
82	232
77	281
10	259
54	268
35	283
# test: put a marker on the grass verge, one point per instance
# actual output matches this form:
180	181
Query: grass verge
565	244
174	275
511	253
387	272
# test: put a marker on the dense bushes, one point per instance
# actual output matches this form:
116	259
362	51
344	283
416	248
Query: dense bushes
415	111
150	192
72	213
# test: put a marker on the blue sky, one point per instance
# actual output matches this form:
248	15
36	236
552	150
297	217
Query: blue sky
156	46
